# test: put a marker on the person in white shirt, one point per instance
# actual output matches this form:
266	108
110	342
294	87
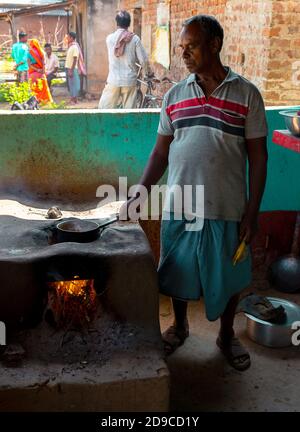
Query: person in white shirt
51	64
125	49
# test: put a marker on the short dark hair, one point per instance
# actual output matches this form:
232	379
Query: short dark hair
47	45
123	19
72	34
22	34
209	25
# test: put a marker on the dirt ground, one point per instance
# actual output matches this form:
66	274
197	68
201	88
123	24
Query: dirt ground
60	94
201	379
82	102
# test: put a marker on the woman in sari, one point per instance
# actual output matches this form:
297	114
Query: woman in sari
37	77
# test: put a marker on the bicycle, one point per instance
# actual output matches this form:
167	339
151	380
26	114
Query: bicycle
148	99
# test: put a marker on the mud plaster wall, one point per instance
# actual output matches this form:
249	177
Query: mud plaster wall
98	20
50	29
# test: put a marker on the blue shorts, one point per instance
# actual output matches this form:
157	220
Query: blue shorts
199	263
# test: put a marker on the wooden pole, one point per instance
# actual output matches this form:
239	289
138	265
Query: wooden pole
11	20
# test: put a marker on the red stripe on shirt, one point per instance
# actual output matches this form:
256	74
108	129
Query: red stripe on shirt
194	102
218	103
210	111
232	106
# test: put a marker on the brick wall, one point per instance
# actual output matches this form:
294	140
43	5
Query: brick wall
282	81
246	47
261	40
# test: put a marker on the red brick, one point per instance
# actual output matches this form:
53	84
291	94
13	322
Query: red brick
264	31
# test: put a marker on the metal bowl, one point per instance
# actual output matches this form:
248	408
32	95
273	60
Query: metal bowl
274	335
292	121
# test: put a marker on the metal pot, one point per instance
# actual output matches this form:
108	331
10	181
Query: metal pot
292	121
77	230
285	271
274	335
81	230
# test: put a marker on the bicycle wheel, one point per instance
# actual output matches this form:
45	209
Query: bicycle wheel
151	103
139	99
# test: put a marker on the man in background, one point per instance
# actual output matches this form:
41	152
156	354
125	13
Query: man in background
125	49
51	64
71	66
20	56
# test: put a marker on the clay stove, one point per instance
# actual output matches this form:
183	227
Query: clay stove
86	315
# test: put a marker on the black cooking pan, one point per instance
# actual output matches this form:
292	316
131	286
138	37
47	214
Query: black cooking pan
81	230
285	271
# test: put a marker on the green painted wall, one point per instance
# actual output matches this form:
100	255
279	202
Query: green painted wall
67	154
283	181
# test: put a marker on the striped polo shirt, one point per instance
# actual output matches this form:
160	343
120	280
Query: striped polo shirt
209	145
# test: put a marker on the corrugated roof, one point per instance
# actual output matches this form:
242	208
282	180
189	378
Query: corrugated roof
39	7
50	13
58	12
23	3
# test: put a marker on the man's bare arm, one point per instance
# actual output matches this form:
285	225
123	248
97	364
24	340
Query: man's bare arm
157	163
257	158
154	170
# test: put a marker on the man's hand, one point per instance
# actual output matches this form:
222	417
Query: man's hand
125	214
155	168
70	73
248	227
17	65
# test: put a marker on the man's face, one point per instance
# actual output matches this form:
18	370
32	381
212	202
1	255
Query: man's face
48	51
197	53
70	39
23	39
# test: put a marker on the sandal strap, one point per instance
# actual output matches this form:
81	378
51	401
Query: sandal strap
234	349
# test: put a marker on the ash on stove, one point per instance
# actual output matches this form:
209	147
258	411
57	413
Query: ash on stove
95	343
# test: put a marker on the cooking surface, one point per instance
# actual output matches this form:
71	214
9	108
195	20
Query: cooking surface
28	239
15	208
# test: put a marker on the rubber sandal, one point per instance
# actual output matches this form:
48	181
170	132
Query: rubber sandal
235	353
173	338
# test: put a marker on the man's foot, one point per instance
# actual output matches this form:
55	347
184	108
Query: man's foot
236	355
173	338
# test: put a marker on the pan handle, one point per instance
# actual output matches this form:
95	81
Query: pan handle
110	221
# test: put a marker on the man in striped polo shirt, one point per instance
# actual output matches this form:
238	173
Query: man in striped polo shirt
211	123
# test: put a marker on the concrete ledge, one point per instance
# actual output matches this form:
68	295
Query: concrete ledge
131	382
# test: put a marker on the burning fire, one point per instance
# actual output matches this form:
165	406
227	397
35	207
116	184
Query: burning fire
72	302
76	287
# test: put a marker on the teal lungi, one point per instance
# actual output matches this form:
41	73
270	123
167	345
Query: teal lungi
199	263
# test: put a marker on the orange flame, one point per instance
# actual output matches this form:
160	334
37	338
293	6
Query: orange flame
76	287
73	300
